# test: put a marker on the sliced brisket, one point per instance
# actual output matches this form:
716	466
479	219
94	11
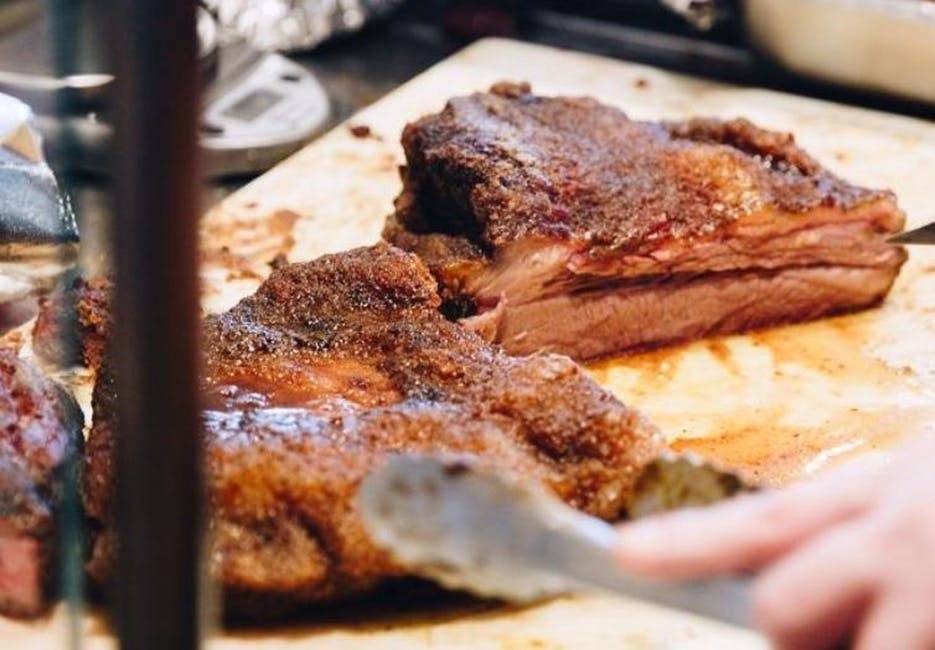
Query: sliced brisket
559	224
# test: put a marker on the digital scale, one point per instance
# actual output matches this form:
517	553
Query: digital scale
258	108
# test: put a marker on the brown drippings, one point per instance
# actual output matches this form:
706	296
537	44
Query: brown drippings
279	261
723	354
243	274
783	403
776	455
386	163
257	239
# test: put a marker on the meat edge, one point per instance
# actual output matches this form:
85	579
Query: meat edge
601	322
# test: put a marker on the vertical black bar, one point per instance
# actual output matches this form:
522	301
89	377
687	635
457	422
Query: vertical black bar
65	22
158	443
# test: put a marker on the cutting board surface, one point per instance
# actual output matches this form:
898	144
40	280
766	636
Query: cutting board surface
779	404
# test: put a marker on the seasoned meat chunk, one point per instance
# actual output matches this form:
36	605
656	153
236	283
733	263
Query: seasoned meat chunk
40	433
73	324
322	374
559	224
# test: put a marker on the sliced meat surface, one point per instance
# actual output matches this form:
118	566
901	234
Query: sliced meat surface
329	368
541	217
40	431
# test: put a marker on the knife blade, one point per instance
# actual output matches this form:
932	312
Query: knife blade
471	529
923	235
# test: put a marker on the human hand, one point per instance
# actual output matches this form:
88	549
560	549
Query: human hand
848	555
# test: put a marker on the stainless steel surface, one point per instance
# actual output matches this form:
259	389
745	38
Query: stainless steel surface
877	45
884	45
80	92
923	235
470	529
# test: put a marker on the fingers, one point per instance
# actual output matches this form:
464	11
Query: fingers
744	533
815	597
898	621
904	536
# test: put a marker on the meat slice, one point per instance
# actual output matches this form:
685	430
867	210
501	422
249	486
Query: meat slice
40	431
559	224
73	324
317	378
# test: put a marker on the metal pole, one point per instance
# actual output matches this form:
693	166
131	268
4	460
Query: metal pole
159	490
65	23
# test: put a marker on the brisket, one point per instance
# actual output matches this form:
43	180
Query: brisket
559	224
40	431
329	368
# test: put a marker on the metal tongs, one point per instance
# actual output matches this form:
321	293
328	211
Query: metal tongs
471	529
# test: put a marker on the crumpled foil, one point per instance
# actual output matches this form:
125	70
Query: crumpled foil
295	24
32	210
703	14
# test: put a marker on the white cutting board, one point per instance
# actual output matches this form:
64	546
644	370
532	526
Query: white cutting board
780	404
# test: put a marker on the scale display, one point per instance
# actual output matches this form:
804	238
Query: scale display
261	110
253	105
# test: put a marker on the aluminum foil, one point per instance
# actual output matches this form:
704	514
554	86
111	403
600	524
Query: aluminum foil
32	210
703	14
294	24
